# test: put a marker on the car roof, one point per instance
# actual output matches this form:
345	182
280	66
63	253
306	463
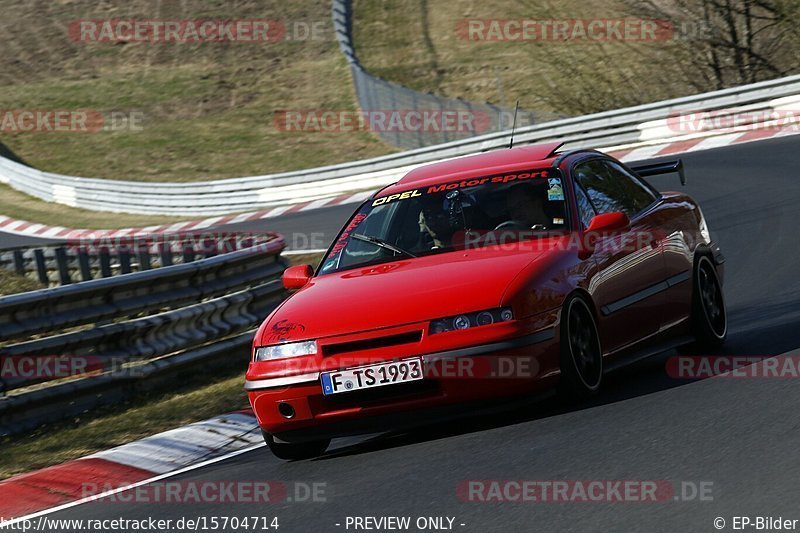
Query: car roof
496	161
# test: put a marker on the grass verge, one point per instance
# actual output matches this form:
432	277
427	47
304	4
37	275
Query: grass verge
11	283
19	205
201	110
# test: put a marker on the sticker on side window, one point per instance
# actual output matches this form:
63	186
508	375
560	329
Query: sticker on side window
555	193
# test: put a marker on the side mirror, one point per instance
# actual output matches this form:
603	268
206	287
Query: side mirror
609	223
297	277
605	224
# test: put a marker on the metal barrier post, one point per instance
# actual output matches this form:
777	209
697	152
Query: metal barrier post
143	254
41	266
124	260
105	262
165	254
83	264
19	262
62	262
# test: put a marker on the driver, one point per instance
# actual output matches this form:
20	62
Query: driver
526	206
434	225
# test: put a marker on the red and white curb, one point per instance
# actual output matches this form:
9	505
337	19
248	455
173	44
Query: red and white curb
693	143
23	227
129	465
638	151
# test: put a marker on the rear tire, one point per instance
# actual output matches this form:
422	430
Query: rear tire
581	351
709	318
296	451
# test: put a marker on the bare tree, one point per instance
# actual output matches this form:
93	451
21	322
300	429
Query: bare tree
730	42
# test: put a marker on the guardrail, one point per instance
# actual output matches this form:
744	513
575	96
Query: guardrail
114	337
86	259
617	127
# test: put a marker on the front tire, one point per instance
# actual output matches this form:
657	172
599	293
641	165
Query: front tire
581	351
296	451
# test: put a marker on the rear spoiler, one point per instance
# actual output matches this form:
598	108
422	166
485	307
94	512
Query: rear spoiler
667	167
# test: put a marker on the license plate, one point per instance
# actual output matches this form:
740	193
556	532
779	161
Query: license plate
367	377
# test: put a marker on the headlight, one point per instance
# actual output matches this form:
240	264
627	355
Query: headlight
280	351
485	318
469	320
461	322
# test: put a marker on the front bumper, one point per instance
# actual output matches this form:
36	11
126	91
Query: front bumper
453	378
429	359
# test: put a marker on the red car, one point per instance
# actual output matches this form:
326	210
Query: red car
484	277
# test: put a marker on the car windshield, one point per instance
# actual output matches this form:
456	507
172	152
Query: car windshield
451	216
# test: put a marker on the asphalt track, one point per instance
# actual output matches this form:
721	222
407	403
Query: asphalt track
741	435
13	240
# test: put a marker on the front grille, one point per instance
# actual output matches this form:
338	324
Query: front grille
370	344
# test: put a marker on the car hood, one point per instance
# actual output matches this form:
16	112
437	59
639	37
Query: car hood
397	293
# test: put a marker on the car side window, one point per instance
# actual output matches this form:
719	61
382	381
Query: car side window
639	195
602	191
611	188
585	210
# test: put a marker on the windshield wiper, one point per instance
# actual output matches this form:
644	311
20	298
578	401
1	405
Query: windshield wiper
382	244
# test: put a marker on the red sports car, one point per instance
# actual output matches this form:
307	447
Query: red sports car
484	277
